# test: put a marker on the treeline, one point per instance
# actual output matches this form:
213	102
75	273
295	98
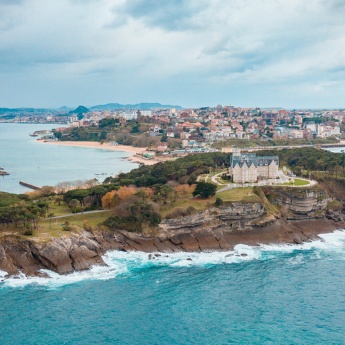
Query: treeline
182	170
82	134
241	143
309	158
21	211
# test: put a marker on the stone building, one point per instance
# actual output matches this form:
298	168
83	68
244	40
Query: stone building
249	167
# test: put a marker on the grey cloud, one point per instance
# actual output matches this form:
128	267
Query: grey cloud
176	15
334	4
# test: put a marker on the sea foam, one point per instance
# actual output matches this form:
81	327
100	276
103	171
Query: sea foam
124	264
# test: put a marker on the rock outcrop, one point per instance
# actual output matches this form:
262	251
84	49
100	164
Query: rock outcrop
215	229
302	201
63	255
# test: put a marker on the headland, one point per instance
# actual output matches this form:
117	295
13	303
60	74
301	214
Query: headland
165	208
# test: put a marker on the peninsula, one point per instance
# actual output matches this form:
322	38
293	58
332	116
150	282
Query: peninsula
189	204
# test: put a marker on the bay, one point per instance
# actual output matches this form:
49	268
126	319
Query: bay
41	164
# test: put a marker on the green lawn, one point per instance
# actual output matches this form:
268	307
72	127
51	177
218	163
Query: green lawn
239	194
198	203
59	210
230	195
48	229
297	182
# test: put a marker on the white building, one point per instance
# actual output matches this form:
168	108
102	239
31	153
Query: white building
249	168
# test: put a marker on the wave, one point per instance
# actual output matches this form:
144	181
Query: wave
330	246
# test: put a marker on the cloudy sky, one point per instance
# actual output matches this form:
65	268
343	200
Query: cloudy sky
267	53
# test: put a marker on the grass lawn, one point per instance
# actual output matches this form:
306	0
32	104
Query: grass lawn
198	203
59	210
230	195
297	182
53	229
239	194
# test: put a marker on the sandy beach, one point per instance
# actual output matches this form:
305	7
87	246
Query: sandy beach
135	151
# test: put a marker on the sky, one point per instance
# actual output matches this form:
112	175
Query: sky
193	53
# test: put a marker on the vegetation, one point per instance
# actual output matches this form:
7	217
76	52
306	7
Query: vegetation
139	199
309	159
240	143
133	215
21	211
205	189
182	170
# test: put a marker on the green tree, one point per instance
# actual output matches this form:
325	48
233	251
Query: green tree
73	205
103	135
205	189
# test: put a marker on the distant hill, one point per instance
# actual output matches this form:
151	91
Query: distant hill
80	110
64	108
142	106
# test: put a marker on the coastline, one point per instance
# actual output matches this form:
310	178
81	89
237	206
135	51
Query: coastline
134	151
81	251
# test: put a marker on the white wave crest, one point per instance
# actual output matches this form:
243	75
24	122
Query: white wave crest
125	263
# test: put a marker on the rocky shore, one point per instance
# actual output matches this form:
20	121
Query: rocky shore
302	216
81	251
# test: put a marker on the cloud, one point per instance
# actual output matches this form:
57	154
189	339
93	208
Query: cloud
178	51
176	15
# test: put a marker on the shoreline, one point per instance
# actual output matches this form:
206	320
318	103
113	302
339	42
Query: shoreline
134	151
82	251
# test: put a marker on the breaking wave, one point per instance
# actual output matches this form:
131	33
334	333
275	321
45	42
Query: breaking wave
330	246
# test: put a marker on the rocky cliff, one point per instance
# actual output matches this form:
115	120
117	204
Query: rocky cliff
301	202
215	229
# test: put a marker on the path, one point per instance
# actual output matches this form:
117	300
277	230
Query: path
77	214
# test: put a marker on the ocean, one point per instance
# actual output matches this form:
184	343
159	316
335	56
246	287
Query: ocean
270	294
277	294
42	164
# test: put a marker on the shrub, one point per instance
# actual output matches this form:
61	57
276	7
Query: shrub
205	189
219	202
181	212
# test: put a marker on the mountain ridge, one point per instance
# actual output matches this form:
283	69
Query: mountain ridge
142	106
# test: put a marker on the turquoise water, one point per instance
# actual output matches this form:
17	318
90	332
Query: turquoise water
274	295
41	164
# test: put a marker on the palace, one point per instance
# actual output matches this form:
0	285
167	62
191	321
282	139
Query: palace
250	168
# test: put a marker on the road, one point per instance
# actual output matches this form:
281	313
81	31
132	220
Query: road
78	214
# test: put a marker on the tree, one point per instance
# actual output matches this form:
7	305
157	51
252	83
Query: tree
166	193
58	199
184	190
103	135
73	205
47	191
205	189
108	199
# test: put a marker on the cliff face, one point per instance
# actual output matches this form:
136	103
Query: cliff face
234	215
215	229
63	255
302	201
